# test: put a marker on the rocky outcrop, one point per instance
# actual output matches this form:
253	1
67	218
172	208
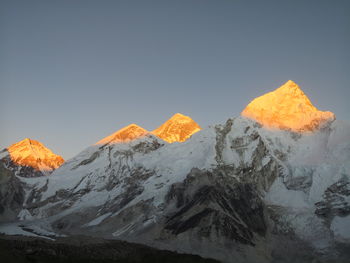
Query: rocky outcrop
11	194
213	205
335	200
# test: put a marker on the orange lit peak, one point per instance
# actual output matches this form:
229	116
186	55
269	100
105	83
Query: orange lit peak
177	129
125	134
286	108
34	154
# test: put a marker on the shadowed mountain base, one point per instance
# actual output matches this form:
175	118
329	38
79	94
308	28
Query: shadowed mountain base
82	249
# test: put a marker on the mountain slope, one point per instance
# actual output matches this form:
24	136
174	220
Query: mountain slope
27	158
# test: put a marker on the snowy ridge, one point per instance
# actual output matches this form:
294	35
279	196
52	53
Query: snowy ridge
292	171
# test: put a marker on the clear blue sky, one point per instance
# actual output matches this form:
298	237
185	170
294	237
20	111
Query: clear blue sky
72	72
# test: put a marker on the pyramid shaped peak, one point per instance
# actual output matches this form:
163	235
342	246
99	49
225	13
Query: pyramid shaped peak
287	107
177	129
29	152
290	83
290	87
27	142
125	134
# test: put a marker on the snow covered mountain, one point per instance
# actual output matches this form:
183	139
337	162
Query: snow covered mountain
177	129
27	158
287	108
257	188
30	158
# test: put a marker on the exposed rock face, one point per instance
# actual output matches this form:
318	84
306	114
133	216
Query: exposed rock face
335	200
287	108
207	203
30	158
177	129
11	194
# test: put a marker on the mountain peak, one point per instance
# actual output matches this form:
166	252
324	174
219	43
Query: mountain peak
128	133
290	87
179	115
33	153
30	142
287	107
177	129
290	84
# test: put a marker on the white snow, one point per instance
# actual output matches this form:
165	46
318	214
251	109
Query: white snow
98	220
341	228
35	231
280	195
13	229
3	153
24	214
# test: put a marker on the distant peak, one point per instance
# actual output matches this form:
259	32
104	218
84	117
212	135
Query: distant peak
177	129
126	134
33	153
287	107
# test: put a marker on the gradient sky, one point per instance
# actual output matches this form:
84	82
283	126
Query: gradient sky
73	72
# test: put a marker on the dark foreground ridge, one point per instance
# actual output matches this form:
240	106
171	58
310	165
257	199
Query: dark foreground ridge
85	249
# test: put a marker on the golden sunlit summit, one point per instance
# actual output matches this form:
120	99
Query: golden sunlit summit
177	129
287	108
125	134
34	154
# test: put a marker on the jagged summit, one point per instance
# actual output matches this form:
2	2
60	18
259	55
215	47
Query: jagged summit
177	129
125	134
34	154
287	108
